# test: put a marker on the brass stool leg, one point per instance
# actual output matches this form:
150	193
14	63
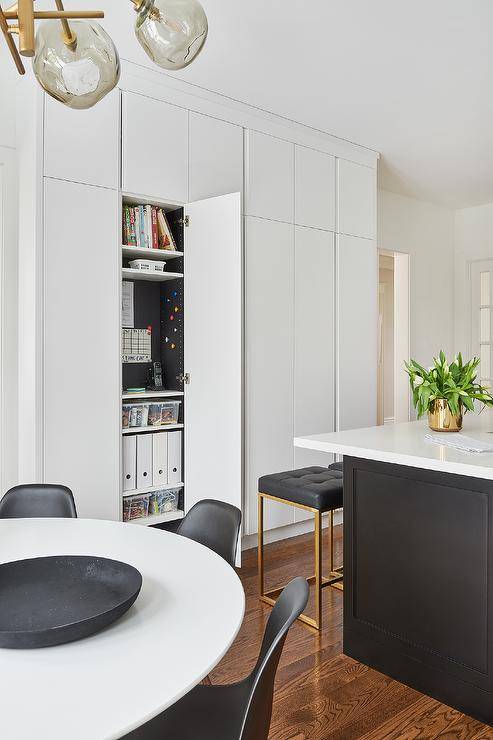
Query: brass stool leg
334	572
260	543
318	580
318	570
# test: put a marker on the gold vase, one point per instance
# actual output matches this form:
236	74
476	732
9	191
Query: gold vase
441	419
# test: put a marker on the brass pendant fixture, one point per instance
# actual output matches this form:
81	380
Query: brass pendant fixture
77	62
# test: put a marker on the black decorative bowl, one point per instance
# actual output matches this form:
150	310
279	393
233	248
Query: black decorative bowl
53	600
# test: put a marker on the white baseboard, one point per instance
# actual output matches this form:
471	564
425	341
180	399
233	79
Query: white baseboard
283	533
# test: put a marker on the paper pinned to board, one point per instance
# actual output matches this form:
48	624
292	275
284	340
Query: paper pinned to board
459	441
127	304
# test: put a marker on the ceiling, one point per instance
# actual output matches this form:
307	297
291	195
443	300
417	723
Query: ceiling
413	80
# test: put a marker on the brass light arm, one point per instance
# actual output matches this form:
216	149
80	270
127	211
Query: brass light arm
25	12
69	38
57	14
4	27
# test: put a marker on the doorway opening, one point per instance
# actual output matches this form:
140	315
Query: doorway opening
393	398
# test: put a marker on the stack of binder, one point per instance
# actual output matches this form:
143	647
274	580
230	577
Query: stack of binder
152	459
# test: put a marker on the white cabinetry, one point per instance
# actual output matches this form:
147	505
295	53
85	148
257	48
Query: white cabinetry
81	346
314	188
314	343
357	332
269	177
154	148
82	145
216	157
269	360
213	351
356	199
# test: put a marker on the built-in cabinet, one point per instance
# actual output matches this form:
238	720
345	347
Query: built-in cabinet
356	332
269	177
301	283
81	344
83	145
315	185
356	199
216	157
269	371
154	148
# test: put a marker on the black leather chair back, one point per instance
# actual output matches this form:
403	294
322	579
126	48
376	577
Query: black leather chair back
290	604
214	524
38	500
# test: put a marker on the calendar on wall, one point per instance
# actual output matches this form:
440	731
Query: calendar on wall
136	345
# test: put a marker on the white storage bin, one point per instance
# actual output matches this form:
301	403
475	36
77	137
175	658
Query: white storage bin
149	265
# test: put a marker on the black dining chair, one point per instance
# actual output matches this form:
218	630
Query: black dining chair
38	500
214	524
239	711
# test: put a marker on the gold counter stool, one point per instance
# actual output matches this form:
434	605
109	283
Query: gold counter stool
314	489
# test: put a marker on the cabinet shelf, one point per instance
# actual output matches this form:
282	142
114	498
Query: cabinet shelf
151	489
158	277
151	394
140	430
148	521
151	254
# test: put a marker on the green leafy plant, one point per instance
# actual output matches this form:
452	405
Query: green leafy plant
455	382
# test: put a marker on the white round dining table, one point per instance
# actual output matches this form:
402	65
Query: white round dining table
186	616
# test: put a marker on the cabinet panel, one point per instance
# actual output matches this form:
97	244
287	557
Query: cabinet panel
154	148
314	384
269	361
216	157
357	333
315	183
213	351
83	145
81	347
356	199
270	177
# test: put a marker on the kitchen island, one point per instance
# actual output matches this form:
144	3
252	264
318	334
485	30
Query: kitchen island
418	568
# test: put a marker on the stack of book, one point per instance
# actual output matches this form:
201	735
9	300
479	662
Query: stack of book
148	227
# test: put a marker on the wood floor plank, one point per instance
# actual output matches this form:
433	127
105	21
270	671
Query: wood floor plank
321	694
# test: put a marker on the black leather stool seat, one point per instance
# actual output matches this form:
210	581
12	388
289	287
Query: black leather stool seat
337	466
319	488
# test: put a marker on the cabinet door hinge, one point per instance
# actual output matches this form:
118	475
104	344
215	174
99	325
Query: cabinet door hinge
184	378
186	221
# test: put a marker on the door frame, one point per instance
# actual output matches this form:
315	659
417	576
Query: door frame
402	332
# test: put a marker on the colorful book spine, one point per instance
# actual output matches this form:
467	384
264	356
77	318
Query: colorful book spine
154	228
132	239
148	227
137	226
124	225
143	242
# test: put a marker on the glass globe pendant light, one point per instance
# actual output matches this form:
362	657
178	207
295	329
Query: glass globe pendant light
77	65
171	32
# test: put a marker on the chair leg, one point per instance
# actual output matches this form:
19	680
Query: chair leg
318	570
335	572
318	580
260	543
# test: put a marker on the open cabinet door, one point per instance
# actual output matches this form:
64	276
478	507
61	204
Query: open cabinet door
213	350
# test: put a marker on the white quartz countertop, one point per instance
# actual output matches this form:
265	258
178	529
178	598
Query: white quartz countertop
405	444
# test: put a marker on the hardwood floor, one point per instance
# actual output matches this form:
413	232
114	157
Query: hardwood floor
320	693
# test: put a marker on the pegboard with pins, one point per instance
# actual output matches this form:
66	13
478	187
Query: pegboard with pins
172	333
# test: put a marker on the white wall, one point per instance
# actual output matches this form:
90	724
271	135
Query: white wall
8	274
425	232
473	241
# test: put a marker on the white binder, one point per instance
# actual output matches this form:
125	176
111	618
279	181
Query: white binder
160	459
129	461
144	460
174	457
